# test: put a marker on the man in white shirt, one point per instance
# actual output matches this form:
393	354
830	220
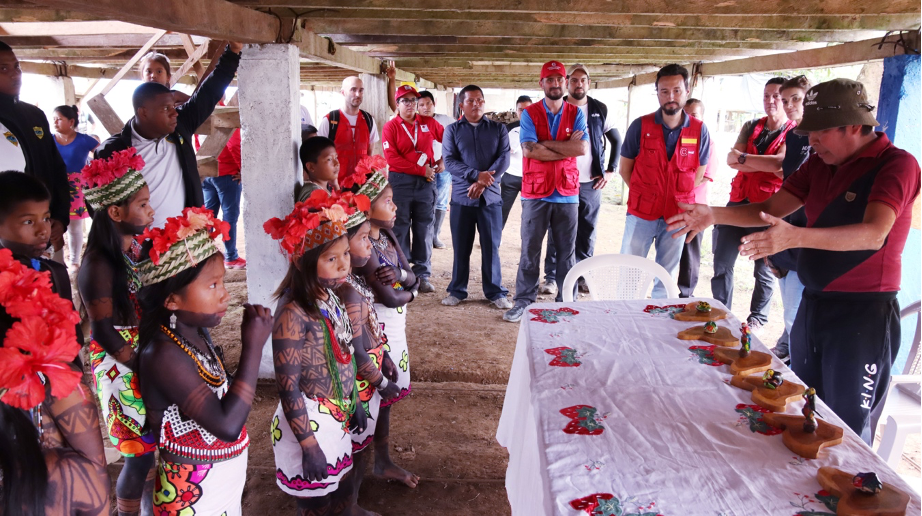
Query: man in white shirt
511	182
352	134
426	106
592	177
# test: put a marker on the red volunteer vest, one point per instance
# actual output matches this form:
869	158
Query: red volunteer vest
759	186
350	149
541	178
657	182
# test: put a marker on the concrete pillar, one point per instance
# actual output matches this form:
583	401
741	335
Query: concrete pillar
899	107
65	90
375	102
270	124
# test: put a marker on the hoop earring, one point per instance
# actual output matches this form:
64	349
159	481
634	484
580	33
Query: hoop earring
172	320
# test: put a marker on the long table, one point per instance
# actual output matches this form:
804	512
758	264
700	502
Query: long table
662	430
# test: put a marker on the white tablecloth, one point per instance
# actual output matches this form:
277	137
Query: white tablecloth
675	438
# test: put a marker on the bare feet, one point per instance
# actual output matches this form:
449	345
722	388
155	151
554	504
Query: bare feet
390	471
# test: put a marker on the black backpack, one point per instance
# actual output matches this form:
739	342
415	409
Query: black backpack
334	122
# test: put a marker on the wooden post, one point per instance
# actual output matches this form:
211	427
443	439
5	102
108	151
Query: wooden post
375	102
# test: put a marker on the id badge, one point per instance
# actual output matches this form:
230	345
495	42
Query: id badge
423	159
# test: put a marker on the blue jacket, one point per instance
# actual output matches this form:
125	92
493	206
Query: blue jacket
468	151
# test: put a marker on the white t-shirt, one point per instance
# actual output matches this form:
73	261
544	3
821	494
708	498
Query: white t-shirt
324	128
444	119
163	175
584	163
11	156
306	117
515	153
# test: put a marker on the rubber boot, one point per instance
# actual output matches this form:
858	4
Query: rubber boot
437	226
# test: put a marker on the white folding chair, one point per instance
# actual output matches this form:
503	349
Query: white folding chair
618	277
902	407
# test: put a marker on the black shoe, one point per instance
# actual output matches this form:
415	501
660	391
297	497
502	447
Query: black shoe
782	350
583	288
425	287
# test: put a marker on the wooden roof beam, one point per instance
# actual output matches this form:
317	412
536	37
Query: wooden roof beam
75	28
70	70
32	14
613	53
547	30
95	41
775	22
666	7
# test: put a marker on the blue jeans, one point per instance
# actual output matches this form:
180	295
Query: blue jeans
640	234
443	187
223	193
792	291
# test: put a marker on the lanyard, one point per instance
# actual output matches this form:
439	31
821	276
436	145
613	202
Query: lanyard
415	132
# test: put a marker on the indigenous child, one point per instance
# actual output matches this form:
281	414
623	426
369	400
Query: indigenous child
195	410
367	338
321	167
39	344
108	283
394	285
314	364
67	417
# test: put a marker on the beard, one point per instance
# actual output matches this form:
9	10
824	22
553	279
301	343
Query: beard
671	111
556	95
579	95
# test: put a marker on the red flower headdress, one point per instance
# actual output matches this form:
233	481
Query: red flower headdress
365	168
113	180
314	222
43	340
182	242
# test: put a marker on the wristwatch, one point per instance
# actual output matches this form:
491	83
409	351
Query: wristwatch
742	159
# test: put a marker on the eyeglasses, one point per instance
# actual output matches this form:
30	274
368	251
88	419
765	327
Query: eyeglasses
408	101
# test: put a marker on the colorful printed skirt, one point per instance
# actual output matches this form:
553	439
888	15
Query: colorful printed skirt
394	323
206	489
119	396
330	428
371	401
77	203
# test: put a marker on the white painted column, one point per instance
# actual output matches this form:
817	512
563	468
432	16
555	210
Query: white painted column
270	123
65	90
375	102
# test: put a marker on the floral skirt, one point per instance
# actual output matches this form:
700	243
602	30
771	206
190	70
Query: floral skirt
77	204
394	323
189	489
120	400
331	430
371	400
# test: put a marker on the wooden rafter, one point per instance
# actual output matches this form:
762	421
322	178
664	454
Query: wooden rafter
194	61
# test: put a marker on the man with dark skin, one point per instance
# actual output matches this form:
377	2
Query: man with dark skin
28	144
163	135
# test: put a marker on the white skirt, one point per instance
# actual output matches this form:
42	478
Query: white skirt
394	323
182	489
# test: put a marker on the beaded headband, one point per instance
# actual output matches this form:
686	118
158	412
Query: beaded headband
113	180
181	244
371	176
43	340
322	218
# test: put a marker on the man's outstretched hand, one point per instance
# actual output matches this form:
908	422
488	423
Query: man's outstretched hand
693	220
779	236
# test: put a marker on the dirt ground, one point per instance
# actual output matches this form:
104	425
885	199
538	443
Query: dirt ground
461	356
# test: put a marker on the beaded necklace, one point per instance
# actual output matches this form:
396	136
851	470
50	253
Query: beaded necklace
338	325
134	284
209	367
361	286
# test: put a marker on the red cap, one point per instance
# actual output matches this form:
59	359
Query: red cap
405	90
553	68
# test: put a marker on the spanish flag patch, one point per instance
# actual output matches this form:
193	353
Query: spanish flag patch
689	141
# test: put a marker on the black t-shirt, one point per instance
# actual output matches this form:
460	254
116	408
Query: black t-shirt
763	141
797	151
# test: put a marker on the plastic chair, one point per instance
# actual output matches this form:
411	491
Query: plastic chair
618	277
902	407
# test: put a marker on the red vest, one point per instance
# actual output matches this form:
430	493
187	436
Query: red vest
350	148
657	182
759	186
541	178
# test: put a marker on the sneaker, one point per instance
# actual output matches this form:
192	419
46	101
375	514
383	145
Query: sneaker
548	287
239	263
782	350
437	243
515	314
425	287
503	303
451	301
755	326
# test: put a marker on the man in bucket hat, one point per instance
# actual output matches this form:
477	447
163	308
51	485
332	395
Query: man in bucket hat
857	191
